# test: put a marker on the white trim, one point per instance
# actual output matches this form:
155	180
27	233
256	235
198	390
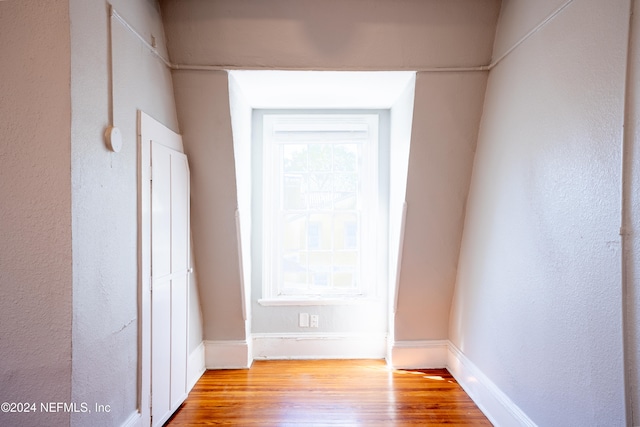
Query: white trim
492	401
363	128
318	346
134	420
227	354
418	354
195	366
148	129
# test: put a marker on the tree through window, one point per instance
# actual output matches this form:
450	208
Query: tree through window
319	203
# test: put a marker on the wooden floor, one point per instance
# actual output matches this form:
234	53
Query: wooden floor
327	393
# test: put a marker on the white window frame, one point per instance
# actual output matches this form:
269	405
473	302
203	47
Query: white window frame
272	286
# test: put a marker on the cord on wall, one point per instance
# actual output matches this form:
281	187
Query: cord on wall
149	45
112	135
529	34
205	67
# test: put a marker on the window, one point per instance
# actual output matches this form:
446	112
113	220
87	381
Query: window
319	204
351	235
314	237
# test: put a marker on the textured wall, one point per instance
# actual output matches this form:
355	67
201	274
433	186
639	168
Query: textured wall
105	216
447	113
518	17
202	100
341	35
35	208
332	34
538	297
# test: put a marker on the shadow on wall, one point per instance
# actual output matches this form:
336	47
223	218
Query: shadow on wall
333	26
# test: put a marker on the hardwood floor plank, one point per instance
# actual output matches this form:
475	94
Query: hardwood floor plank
327	393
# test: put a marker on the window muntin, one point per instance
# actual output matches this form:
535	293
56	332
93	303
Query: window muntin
319	203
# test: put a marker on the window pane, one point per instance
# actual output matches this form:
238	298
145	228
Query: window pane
315	194
345	191
351	235
345	157
320	181
294	157
344	278
321	277
346	258
346	229
314	235
293	270
320	157
323	226
294	232
293	194
320	191
320	260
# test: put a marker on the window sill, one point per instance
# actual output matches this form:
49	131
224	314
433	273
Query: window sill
302	301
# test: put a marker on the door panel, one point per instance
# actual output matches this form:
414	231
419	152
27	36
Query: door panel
160	211
178	340
179	269
169	279
179	213
161	350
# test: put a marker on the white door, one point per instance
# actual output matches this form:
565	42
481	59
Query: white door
168	213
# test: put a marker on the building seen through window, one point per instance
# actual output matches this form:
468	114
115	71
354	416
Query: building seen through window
319	199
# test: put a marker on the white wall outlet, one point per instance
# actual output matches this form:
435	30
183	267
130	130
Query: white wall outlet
303	320
315	319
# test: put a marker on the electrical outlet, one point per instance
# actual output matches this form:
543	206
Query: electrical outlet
303	320
315	319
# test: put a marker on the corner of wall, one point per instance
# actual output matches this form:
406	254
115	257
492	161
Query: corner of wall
227	354
492	401
195	365
421	354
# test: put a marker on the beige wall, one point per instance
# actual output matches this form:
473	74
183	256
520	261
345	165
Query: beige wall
332	34
35	212
538	302
538	294
520	17
341	35
446	117
202	100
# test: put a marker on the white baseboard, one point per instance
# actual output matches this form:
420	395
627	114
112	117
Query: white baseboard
231	354
318	346
134	420
496	405
418	354
195	366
